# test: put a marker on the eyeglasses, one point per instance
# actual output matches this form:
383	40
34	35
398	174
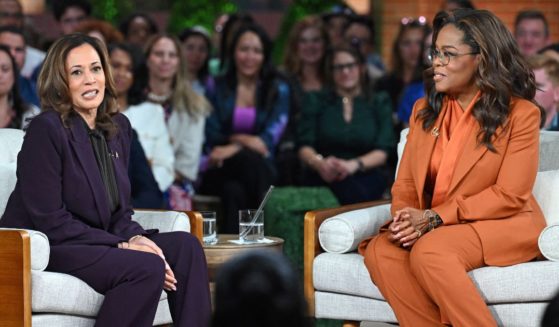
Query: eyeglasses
445	56
421	20
338	68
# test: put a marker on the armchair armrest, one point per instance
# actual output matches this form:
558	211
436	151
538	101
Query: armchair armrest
169	221
313	220
15	278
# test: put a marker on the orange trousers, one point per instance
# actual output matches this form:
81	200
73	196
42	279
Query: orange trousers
429	285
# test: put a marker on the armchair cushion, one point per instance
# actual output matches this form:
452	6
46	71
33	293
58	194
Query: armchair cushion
165	221
40	249
343	233
548	199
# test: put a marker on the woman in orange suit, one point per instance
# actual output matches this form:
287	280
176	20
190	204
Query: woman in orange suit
462	197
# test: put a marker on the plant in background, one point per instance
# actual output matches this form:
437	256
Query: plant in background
112	10
188	13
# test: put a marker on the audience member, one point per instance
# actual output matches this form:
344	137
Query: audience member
546	73
531	31
70	14
14	112
144	191
233	23
147	118
415	90
100	29
80	197
11	14
185	113
251	106
345	135
360	33
196	47
407	61
259	288
137	28
551	50
462	198
12	38
335	19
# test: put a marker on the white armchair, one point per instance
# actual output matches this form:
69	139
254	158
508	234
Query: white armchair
31	296
338	286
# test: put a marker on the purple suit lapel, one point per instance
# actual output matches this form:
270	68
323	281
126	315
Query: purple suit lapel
81	145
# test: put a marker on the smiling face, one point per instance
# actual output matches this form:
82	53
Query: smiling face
122	71
346	72
86	79
6	73
457	78
310	46
530	36
249	55
163	59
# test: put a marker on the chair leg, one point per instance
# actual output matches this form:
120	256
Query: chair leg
349	323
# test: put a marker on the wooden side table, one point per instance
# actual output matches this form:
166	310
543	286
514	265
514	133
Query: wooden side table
224	250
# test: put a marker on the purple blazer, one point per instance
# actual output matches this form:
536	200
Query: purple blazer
60	192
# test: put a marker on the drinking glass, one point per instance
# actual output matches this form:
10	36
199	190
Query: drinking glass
250	229
209	230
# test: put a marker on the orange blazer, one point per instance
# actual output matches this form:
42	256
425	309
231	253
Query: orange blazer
492	191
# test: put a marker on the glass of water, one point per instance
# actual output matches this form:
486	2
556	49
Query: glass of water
250	229
209	230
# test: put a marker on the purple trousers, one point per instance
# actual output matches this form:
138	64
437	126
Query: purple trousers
132	282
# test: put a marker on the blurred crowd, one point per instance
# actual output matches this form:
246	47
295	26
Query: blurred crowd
214	115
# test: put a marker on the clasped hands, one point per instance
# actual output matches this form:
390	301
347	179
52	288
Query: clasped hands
222	152
144	244
407	226
332	169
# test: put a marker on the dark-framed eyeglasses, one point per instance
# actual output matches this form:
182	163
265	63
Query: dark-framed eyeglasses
445	56
337	68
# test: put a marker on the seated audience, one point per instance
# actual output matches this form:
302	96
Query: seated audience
147	118
70	14
230	28
462	198
335	19
196	49
14	111
100	29
259	288
531	31
546	73
250	112
80	197
551	50
144	191
185	113
137	28
12	38
346	133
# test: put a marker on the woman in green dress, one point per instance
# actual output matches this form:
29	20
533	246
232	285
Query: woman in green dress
345	133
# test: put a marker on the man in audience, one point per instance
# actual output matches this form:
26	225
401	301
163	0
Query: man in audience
11	14
546	71
70	13
12	37
360	33
531	31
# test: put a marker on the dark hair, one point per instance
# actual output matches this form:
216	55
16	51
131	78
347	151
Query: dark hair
553	47
59	7
13	30
356	54
501	74
19	106
135	93
107	30
397	60
53	81
531	14
362	20
266	92
233	23
339	10
189	32
124	25
258	288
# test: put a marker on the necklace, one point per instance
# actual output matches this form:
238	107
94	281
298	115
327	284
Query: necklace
158	98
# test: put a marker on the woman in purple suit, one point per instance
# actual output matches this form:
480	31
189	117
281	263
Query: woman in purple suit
73	186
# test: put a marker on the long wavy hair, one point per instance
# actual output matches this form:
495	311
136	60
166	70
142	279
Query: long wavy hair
397	60
184	98
502	72
53	82
291	61
14	95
